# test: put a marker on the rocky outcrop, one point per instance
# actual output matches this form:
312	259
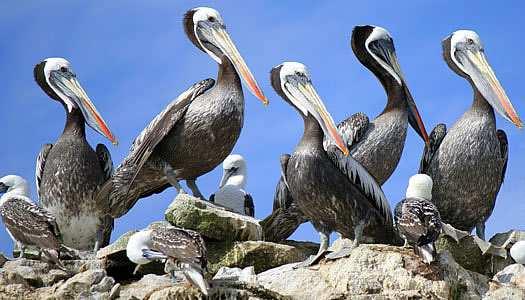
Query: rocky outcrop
508	284
212	221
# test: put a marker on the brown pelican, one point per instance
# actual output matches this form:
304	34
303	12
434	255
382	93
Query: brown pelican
417	219
26	222
184	250
231	193
69	173
195	132
333	190
467	163
376	145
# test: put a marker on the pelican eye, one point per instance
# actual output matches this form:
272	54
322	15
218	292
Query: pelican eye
212	19
63	69
470	41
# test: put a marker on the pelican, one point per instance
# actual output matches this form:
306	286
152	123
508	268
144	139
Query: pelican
195	132
376	145
26	222
417	220
183	250
231	193
69	172
333	190
468	163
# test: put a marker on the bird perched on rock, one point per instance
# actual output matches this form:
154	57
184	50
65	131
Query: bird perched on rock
417	219
231	193
26	222
183	250
517	251
468	161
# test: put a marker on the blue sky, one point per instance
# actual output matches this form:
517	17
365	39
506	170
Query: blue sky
133	58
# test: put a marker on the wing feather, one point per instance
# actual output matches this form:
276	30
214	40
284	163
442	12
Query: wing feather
40	164
29	223
436	137
249	206
182	244
359	176
504	150
352	130
104	158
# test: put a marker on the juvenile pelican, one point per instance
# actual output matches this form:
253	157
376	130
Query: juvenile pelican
231	191
26	222
195	132
417	219
183	250
468	163
333	190
69	172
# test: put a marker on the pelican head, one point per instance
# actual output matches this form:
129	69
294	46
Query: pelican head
206	30
234	171
465	55
58	80
374	47
292	82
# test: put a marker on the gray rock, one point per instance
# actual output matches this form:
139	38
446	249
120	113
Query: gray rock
116	247
3	259
377	271
145	287
246	275
212	221
35	273
259	254
512	275
91	284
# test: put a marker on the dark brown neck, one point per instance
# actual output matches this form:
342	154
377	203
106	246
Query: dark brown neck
75	123
396	97
480	104
227	74
313	134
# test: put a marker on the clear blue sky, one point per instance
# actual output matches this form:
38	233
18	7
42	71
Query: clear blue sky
133	59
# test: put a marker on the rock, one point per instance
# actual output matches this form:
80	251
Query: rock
505	240
508	284
212	221
34	272
91	284
145	287
246	275
259	254
377	271
465	252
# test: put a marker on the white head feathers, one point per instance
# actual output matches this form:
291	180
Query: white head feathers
420	186
16	185
235	171
136	243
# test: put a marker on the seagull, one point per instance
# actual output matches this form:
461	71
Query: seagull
231	193
417	220
183	250
26	222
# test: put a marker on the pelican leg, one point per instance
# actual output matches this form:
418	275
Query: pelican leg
406	245
172	179
480	230
324	238
22	250
192	184
100	239
346	250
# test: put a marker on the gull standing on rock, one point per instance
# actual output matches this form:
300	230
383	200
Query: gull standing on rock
26	222
417	219
231	193
183	250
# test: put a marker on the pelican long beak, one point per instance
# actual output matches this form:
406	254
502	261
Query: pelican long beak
302	93
386	56
223	41
195	277
477	67
71	88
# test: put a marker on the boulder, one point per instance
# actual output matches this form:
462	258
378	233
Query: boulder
34	272
508	283
259	254
91	284
145	287
212	221
377	271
